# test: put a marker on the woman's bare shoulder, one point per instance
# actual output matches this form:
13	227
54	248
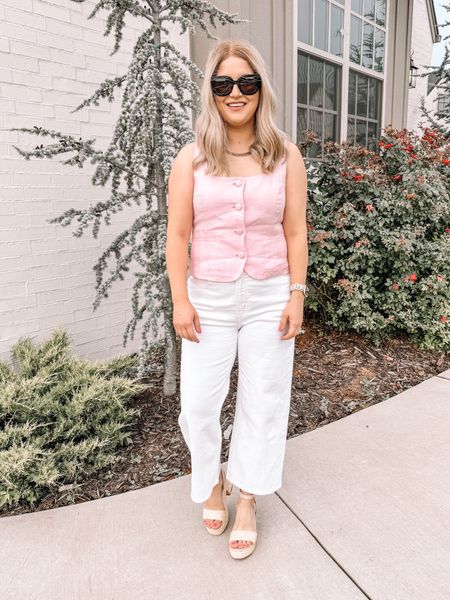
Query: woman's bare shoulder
184	158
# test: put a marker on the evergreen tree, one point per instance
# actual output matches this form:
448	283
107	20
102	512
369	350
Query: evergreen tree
154	123
440	119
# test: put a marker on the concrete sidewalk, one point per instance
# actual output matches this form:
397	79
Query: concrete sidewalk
364	512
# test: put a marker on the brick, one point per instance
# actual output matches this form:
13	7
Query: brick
34	109
26	208
20	92
29	49
76	59
54	41
77	87
20	4
20	302
41	272
14	249
6	75
11	317
103	65
32	79
47	67
13	290
53	296
7	105
22	329
17	32
17	61
25	18
64	28
51	10
58	97
7	208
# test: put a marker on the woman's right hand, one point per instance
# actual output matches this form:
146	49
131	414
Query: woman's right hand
186	320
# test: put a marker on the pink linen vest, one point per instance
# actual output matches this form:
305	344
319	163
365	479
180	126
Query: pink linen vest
237	225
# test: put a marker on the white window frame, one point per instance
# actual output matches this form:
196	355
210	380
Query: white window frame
344	62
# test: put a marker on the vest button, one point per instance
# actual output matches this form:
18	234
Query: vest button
238	182
239	231
241	254
238	206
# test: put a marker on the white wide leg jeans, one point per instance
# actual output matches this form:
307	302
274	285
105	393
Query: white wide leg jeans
237	316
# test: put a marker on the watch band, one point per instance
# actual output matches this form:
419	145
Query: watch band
302	287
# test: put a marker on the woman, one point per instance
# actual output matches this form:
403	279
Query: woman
240	190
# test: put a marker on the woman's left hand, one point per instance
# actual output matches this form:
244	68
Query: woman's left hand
292	315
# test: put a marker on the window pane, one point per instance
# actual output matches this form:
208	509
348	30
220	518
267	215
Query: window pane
352	93
368	106
331	92
380	12
357	6
369	9
304	21
368	45
361	127
361	104
301	123
374	98
321	79
315	82
355	40
321	25
351	130
302	82
315	123
337	23
379	50
329	131
372	139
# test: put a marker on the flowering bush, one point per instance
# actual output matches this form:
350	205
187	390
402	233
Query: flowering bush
379	237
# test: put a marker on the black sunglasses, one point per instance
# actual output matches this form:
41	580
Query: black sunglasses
248	85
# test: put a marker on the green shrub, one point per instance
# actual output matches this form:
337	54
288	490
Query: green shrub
379	237
61	418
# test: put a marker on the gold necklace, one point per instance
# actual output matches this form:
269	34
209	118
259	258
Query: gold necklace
238	153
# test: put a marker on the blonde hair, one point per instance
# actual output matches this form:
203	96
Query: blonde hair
210	129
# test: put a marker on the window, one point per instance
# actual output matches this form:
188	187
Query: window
340	70
363	110
318	95
443	103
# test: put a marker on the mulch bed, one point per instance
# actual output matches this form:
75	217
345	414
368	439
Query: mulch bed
335	374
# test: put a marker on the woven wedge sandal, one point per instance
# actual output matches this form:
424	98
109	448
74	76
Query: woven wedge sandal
219	514
245	535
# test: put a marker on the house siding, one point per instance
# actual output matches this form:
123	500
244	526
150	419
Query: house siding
52	57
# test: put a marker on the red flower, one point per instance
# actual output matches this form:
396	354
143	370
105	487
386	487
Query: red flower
388	145
395	286
413	277
446	161
369	207
413	155
381	144
440	277
397	177
409	148
358	243
357	177
447	230
444	319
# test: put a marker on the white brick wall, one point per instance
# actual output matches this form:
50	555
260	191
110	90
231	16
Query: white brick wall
51	58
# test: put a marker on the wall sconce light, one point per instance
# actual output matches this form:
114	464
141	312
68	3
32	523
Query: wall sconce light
412	72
